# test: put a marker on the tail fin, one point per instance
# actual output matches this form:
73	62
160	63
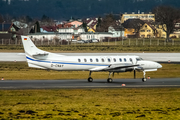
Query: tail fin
29	47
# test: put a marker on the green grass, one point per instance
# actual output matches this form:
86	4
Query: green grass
21	71
118	104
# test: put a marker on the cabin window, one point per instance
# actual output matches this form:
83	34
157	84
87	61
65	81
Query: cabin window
91	60
85	60
79	60
120	59
97	60
102	59
130	59
114	59
109	60
124	59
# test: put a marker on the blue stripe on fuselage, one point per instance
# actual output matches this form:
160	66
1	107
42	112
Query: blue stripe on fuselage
64	62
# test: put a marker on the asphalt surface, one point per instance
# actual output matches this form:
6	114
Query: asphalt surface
159	57
100	83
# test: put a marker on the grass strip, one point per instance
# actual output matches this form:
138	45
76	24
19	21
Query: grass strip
21	71
124	103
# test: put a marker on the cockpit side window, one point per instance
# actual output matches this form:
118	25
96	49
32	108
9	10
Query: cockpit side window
139	59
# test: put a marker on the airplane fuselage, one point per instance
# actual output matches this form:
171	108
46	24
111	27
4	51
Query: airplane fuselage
86	63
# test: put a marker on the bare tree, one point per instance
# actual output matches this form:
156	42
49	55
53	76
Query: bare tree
136	24
103	26
167	17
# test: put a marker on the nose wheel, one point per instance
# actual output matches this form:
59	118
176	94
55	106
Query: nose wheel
90	79
144	79
109	80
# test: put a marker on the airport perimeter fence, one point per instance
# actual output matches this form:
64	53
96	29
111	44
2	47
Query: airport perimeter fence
126	42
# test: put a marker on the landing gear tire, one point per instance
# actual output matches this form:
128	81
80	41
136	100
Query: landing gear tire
109	80
144	79
90	79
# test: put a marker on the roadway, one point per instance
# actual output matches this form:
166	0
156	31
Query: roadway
158	57
100	83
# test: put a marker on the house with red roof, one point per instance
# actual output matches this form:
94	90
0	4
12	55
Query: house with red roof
91	24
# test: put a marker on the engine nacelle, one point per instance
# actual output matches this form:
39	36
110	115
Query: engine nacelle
122	70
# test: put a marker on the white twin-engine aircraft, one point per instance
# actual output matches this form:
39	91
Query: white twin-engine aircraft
113	64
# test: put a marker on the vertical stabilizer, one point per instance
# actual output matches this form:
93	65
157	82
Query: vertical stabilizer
29	47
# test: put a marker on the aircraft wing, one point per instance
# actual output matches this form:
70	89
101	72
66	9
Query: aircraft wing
112	67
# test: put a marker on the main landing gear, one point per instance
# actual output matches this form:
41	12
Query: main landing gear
109	80
144	79
90	79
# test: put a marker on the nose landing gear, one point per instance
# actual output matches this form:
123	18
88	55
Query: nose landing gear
90	79
144	79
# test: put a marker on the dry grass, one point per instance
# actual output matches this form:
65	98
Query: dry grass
125	104
21	71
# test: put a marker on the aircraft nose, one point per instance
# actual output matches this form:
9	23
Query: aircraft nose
159	65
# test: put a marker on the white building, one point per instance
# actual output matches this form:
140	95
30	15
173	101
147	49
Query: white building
50	36
97	35
75	31
116	31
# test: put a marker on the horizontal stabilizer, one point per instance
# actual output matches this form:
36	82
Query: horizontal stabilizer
40	54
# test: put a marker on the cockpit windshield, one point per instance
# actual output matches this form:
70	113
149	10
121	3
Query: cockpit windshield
139	59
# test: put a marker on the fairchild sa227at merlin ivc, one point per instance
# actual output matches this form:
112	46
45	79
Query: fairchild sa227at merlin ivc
113	64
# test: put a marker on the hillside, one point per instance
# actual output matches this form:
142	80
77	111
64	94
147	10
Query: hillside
64	9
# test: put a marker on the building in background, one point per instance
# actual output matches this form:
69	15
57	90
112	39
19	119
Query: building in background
97	35
117	31
142	16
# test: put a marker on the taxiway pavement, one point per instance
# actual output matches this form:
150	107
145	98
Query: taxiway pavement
100	83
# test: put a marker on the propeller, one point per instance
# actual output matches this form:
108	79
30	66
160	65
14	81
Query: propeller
113	74
134	74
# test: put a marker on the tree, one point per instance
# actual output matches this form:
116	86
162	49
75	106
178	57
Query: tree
84	25
167	17
103	26
45	18
99	22
135	24
37	27
28	19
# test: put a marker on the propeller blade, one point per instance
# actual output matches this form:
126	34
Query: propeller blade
134	74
